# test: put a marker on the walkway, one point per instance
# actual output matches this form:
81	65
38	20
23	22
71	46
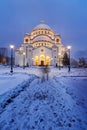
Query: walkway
44	106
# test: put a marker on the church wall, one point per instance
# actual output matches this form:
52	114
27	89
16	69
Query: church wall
29	57
42	51
19	60
55	56
16	59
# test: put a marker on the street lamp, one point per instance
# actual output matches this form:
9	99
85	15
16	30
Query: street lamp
69	48
23	60
11	47
59	60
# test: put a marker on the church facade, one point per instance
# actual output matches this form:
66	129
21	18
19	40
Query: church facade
41	47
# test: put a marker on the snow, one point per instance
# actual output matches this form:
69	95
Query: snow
59	103
8	81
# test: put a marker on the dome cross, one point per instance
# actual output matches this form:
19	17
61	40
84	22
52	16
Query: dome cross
42	21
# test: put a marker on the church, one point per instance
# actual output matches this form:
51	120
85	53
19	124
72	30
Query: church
40	47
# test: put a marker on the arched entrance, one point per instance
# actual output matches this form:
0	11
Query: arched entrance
36	60
47	60
42	60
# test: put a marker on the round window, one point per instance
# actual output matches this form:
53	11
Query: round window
26	40
42	50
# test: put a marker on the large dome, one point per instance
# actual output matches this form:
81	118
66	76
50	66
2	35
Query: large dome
42	26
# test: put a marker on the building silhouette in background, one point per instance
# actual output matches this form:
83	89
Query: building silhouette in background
3	55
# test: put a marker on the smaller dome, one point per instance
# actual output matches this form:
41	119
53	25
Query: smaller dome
42	26
42	38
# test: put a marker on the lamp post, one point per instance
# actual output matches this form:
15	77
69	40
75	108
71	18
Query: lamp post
59	60
69	48
23	60
11	47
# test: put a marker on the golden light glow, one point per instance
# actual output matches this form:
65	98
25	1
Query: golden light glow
47	60
36	57
59	54
42	58
36	60
4	60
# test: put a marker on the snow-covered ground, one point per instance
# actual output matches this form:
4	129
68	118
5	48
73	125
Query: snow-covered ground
27	103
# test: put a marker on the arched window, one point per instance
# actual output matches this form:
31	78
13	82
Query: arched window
42	50
57	40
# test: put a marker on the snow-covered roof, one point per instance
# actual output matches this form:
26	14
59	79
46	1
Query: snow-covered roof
42	26
42	38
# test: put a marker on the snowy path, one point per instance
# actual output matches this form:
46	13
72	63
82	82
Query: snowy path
76	87
44	106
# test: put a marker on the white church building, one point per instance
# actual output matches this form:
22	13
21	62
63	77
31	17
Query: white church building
40	47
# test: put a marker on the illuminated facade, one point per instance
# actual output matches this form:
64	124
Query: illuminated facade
41	47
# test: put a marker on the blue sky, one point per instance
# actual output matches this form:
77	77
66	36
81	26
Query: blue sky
66	17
